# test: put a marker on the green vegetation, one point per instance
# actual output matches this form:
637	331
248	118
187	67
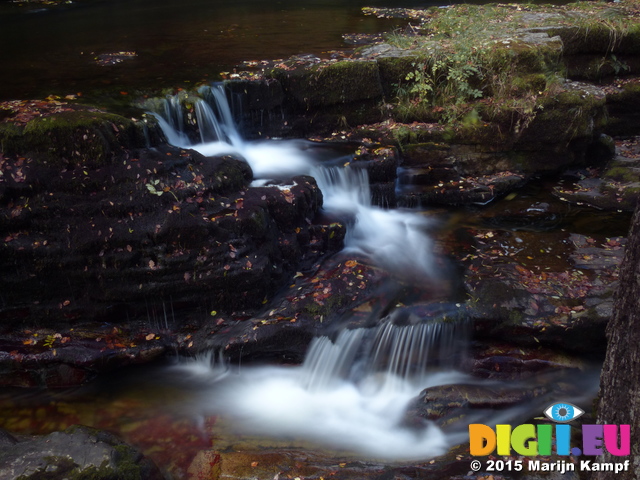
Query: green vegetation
477	63
82	137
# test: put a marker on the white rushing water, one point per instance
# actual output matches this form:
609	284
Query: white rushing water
352	391
392	239
350	394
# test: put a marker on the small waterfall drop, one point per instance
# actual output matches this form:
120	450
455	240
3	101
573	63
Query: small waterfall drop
351	391
395	240
387	357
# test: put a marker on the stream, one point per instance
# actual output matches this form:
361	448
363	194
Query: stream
349	397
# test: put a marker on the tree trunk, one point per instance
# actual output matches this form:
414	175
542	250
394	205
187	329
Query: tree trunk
620	378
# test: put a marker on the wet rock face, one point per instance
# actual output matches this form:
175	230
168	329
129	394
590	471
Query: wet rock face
142	229
562	301
442	403
77	452
614	186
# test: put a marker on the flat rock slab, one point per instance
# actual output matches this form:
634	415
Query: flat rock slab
615	186
76	451
543	289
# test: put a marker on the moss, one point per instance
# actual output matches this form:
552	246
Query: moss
64	468
331	306
80	137
533	82
558	120
10	136
623	174
630	42
393	73
337	83
520	57
127	466
593	38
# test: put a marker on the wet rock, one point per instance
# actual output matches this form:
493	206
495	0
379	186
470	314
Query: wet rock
511	362
329	84
6	439
623	105
75	356
85	137
455	191
113	58
206	465
381	164
166	223
579	106
445	403
157	236
323	96
77	451
340	287
614	187
552	294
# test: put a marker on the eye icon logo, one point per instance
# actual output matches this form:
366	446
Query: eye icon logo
563	412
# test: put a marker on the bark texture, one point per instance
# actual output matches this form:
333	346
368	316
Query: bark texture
620	379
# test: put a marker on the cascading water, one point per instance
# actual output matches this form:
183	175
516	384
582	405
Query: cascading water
350	392
388	357
392	239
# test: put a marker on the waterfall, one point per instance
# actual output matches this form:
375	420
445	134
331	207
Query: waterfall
350	393
210	130
387	357
395	240
352	390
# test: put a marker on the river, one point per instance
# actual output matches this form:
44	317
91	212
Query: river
54	49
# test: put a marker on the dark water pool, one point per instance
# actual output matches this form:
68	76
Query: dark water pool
53	49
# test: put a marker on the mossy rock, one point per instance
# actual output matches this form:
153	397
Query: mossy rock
630	41
596	37
623	174
77	453
517	56
331	84
257	95
626	101
92	139
430	153
393	72
561	119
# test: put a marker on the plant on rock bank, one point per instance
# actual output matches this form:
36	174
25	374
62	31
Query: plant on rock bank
483	59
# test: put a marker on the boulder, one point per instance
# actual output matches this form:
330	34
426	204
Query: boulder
142	238
77	452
